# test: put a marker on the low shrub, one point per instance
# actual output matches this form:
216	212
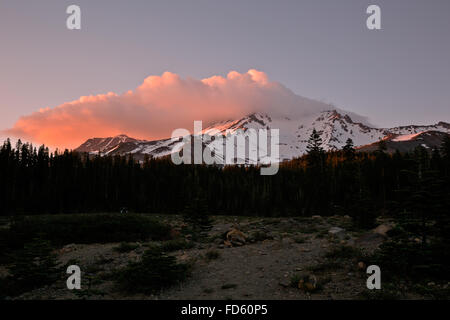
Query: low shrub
260	235
229	286
126	247
85	228
154	272
34	266
176	244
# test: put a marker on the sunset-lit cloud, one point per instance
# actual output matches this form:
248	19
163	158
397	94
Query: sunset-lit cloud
160	105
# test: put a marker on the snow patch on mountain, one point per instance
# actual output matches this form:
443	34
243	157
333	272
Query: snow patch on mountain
406	137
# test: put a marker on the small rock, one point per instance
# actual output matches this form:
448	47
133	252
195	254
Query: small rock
284	283
221	246
382	229
68	248
361	265
308	283
337	232
184	257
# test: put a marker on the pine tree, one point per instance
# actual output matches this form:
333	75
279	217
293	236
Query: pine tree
445	147
315	152
445	150
314	143
363	210
349	149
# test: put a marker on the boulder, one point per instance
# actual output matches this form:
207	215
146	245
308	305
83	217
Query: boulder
236	237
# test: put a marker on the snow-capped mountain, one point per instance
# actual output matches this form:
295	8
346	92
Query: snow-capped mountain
123	144
106	145
334	127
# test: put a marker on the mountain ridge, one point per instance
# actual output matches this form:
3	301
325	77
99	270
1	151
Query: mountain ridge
334	127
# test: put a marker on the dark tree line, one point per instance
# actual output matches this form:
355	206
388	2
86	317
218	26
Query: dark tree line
35	181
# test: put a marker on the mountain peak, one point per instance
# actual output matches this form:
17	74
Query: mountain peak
105	145
444	124
122	136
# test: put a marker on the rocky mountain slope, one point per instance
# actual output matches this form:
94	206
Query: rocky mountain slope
407	142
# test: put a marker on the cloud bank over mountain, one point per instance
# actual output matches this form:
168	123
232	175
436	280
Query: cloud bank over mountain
160	105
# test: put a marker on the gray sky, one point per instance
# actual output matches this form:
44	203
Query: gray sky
320	49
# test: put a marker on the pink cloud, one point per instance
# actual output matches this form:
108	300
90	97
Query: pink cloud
160	105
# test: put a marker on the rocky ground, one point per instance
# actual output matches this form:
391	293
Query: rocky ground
242	258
